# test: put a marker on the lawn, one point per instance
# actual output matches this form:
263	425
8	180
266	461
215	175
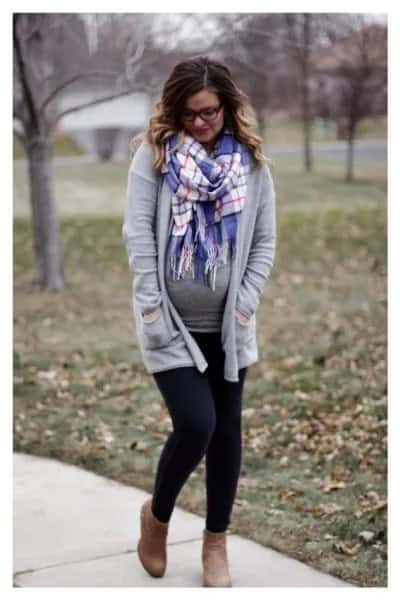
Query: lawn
314	468
278	132
64	145
100	188
291	131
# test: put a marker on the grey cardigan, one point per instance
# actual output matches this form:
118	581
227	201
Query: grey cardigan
165	342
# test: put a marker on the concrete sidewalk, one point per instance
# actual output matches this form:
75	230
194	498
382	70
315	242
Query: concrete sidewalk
73	528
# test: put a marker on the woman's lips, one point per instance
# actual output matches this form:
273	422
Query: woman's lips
201	130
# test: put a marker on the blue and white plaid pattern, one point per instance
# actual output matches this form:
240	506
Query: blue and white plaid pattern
208	194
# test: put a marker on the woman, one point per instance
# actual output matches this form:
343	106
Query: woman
200	235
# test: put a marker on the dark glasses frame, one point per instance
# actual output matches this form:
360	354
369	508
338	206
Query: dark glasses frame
200	113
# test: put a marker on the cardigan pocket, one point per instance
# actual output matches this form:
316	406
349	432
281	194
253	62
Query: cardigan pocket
154	333
244	331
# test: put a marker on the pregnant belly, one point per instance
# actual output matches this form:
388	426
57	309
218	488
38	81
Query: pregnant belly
199	306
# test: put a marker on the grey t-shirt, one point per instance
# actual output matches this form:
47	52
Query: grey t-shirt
200	308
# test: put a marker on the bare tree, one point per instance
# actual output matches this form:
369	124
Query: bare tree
40	77
299	34
356	61
273	53
252	58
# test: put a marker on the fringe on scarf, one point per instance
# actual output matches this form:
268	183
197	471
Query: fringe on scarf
217	255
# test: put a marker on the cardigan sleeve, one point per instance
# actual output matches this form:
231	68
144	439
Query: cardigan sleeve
139	229
262	252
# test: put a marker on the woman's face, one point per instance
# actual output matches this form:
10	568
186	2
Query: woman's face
204	131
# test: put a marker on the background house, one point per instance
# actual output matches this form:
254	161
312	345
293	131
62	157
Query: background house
105	129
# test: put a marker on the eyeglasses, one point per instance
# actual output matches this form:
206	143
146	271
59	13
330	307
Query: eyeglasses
207	114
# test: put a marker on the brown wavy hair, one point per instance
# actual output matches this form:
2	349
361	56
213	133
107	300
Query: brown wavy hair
188	78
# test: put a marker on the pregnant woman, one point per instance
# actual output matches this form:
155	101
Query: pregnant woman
200	235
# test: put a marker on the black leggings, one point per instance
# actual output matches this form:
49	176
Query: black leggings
205	410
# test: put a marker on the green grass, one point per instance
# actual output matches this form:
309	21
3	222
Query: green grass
314	463
101	188
291	131
286	132
64	145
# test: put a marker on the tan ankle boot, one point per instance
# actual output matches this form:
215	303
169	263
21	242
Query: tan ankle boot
215	560
152	545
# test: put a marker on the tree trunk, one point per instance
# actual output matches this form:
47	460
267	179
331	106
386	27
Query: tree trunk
341	128
350	155
261	121
45	222
306	131
306	92
105	142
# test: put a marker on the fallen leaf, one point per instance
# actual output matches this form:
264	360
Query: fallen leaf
344	549
142	446
248	412
328	485
367	536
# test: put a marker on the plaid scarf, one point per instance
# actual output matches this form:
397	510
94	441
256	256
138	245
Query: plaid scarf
208	194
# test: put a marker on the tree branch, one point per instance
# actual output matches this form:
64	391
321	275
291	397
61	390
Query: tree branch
65	84
297	45
92	103
132	61
30	102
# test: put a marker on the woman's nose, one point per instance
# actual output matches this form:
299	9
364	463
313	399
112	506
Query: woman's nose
198	122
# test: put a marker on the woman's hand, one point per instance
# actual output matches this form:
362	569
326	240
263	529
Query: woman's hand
242	318
148	317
